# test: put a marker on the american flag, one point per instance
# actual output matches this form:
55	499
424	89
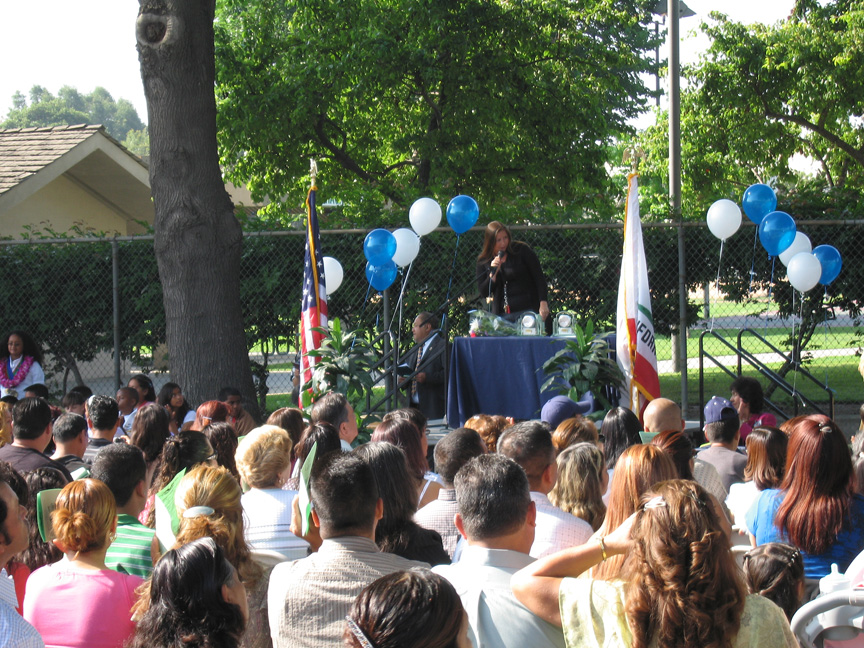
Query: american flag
314	311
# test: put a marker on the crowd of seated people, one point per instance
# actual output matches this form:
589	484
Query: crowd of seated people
180	530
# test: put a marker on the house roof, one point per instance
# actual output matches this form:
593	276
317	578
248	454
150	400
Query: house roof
30	158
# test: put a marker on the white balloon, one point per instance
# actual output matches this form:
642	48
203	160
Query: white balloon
800	244
424	215
724	218
804	271
332	274
407	246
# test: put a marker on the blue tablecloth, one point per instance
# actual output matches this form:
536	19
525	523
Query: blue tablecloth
498	375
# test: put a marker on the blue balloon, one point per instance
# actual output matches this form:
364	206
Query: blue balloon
831	262
759	201
381	276
776	232
462	213
379	247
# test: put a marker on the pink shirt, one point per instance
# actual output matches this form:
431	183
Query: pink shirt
80	608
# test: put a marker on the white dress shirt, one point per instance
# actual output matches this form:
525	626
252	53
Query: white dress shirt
556	529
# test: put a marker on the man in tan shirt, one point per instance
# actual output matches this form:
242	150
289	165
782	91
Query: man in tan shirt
308	599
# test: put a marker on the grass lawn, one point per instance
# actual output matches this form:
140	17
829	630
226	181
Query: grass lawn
844	379
840	337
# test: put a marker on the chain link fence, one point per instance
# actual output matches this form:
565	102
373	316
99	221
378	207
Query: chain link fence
96	306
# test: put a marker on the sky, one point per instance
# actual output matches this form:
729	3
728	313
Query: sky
53	43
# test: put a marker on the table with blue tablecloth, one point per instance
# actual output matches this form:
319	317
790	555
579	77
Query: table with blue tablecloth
498	375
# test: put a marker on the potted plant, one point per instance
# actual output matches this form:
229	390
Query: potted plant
583	365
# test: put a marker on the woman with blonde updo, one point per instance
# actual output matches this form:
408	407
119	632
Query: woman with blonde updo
209	505
264	462
582	480
79	602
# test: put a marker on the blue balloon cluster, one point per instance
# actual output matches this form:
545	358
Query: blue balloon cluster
759	201
831	262
379	246
462	213
776	232
380	277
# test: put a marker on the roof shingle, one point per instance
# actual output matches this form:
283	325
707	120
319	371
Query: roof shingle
24	151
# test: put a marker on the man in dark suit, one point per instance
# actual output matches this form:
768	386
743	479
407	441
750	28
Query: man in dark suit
426	389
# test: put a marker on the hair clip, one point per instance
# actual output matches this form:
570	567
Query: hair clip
358	633
654	502
198	511
793	557
825	428
696	499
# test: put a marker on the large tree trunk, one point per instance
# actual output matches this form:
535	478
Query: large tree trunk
198	239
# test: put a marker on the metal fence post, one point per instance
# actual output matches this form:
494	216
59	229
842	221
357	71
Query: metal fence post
115	295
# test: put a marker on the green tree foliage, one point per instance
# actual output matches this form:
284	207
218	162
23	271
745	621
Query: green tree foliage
514	102
760	95
71	107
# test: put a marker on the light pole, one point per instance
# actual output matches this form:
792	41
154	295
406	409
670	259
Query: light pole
676	9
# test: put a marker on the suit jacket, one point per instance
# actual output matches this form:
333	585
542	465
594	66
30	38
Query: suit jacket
431	392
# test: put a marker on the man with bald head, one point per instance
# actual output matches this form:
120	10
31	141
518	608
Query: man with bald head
663	415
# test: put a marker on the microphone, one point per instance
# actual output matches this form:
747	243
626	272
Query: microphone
495	270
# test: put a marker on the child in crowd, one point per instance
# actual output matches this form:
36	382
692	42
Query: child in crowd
776	571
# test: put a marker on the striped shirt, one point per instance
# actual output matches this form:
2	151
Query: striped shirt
130	551
15	632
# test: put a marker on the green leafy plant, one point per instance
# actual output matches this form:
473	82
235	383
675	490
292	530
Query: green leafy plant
583	365
343	364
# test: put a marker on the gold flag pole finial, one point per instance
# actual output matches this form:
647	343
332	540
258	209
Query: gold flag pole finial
313	170
634	155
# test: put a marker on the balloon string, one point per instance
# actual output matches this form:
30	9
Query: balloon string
770	286
452	270
825	326
795	346
753	262
405	277
712	301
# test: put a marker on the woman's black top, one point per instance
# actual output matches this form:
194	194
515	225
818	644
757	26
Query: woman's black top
520	281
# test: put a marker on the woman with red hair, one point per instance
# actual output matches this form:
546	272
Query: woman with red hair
210	412
816	508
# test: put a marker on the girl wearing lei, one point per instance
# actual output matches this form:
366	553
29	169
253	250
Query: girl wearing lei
22	364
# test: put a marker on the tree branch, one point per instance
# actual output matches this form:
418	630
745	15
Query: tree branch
855	153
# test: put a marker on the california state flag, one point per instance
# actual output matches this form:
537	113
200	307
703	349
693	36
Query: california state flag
637	355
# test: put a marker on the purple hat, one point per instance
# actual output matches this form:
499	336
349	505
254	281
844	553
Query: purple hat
561	408
719	409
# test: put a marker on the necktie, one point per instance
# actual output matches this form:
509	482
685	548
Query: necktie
417	366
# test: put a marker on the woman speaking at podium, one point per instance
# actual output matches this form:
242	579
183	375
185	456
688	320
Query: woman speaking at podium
509	273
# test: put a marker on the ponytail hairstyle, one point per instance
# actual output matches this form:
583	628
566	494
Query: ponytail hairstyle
84	516
223	439
185	450
208	504
776	571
